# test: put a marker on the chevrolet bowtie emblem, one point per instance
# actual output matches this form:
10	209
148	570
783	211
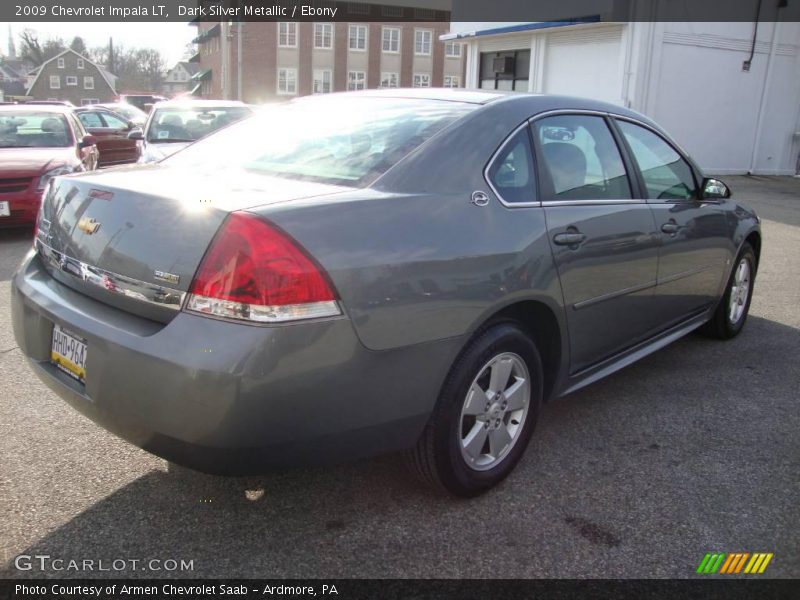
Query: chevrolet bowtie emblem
88	225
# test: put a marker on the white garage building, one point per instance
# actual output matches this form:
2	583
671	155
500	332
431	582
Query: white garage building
689	77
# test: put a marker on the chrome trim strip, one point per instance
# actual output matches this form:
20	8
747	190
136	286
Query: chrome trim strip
111	282
548	203
611	295
491	163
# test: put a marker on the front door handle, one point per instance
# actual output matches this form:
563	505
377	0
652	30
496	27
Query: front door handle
671	227
573	238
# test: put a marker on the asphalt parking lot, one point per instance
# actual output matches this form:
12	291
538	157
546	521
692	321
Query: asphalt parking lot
693	449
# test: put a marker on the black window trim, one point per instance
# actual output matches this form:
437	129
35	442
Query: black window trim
697	176
637	195
497	153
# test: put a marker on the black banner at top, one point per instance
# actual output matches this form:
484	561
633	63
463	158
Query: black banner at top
497	11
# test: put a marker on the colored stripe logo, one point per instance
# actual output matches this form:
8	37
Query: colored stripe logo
734	563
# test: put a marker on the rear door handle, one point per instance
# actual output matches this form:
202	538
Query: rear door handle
671	228
569	239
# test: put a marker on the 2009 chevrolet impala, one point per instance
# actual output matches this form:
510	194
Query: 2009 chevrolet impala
360	273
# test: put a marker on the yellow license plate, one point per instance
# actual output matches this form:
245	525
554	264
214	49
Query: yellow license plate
68	353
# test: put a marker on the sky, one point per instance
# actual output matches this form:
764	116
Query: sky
169	38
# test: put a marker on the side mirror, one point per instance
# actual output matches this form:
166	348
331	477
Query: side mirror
88	140
130	125
136	134
714	188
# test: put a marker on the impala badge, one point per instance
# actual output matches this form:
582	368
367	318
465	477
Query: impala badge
88	225
168	277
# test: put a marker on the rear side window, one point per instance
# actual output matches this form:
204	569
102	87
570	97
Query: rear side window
667	176
511	173
580	158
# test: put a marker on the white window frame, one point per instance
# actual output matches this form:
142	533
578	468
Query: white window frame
356	78
60	63
386	30
88	82
57	80
89	101
287	91
421	77
322	27
454	81
290	34
452	49
388	76
80	63
71	80
357	37
319	77
423	32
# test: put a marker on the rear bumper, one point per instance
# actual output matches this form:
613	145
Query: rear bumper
225	397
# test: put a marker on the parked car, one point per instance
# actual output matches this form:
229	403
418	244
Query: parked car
49	102
111	131
418	273
129	111
36	144
176	124
141	101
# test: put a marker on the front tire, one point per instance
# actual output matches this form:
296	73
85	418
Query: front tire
731	314
485	415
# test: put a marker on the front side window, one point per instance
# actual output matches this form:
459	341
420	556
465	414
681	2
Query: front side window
422	80
511	172
90	120
391	39
323	35
580	159
356	80
667	176
358	37
287	34
114	122
300	140
423	39
287	81
322	81
88	83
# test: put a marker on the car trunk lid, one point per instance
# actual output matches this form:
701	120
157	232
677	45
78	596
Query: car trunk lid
134	237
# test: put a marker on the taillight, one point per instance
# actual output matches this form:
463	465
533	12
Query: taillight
254	272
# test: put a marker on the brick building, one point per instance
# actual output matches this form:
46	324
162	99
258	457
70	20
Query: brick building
285	59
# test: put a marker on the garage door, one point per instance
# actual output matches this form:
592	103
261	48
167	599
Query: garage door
585	63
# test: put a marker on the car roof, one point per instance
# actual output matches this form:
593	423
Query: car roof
44	108
451	94
198	104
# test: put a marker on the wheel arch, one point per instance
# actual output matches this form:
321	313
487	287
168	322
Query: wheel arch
754	239
540	322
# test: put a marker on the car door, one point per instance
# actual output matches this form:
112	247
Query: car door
123	150
603	237
112	142
694	237
88	155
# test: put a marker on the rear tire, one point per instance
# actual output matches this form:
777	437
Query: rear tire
731	314
485	415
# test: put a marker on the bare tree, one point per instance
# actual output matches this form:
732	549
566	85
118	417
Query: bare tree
37	52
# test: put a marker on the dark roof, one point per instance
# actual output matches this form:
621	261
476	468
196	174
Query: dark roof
13	88
191	67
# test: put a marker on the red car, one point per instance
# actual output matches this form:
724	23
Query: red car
36	144
111	130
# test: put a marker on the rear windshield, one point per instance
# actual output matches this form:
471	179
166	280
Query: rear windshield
29	129
190	124
340	140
